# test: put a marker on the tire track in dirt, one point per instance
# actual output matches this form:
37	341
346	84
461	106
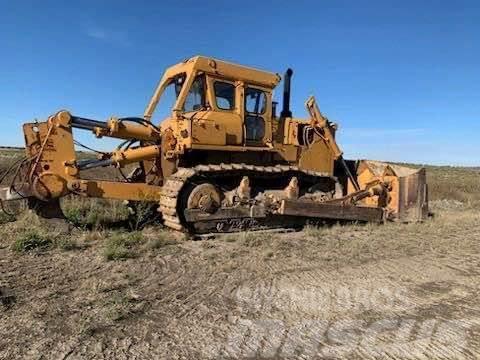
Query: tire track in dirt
439	277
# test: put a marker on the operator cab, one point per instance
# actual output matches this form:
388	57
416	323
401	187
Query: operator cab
226	104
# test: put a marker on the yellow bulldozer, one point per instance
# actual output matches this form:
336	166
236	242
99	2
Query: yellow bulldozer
223	161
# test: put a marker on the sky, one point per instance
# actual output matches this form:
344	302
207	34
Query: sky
400	78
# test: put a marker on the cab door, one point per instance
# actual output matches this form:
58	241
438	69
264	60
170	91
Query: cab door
225	109
257	116
205	130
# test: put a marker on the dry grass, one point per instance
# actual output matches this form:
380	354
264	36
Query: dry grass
94	213
452	183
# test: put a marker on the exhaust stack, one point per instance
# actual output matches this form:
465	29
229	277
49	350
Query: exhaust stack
286	94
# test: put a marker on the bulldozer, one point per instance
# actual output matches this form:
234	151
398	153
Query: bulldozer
222	161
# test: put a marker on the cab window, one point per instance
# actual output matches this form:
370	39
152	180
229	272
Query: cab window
169	96
195	100
255	107
255	101
255	128
224	95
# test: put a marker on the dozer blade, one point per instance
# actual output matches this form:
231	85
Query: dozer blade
408	192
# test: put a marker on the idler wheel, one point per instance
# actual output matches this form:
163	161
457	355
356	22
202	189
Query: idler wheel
205	197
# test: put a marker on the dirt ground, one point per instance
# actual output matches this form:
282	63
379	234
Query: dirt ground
395	291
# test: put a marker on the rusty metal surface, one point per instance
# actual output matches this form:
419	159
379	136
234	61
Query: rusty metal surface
408	191
413	197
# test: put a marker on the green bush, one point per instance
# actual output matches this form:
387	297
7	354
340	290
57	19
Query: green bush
121	246
94	213
142	213
74	216
84	216
30	241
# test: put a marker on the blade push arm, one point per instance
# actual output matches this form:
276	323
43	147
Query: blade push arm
320	123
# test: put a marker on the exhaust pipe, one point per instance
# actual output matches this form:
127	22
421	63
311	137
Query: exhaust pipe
286	94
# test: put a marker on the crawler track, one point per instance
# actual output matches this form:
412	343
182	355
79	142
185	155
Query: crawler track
171	199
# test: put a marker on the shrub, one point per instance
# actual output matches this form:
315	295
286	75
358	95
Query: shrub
74	216
94	213
142	213
30	241
120	246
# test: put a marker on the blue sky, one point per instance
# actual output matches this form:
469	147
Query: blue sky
402	78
